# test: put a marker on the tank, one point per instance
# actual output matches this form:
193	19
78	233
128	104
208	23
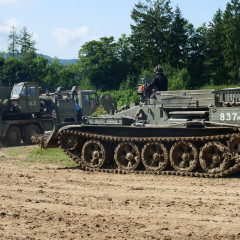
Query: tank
188	133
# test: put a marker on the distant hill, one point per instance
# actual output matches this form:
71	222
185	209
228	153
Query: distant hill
65	61
62	61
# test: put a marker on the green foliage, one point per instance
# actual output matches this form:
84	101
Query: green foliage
100	111
13	46
123	97
11	71
2	66
179	80
231	51
86	84
26	44
196	56
146	74
102	64
215	41
178	40
129	83
209	86
150	32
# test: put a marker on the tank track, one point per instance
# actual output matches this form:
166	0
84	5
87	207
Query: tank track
220	150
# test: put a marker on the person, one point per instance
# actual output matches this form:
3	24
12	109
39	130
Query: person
78	109
159	83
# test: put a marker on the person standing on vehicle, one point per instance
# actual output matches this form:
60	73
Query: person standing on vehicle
159	83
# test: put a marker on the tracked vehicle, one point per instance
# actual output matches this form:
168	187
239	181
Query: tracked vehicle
189	133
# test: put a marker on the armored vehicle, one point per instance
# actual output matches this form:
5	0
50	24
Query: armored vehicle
24	113
189	133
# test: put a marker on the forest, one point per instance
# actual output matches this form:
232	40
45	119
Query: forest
207	56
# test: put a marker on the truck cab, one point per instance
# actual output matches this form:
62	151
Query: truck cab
88	101
24	98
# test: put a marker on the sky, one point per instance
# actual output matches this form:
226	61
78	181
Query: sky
61	27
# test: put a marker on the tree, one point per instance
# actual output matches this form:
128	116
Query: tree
215	48
2	72
66	76
178	40
231	21
51	80
40	67
12	67
13	46
180	80
100	64
151	32
27	53
27	44
196	47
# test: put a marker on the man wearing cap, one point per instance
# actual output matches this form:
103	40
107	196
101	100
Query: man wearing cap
159	83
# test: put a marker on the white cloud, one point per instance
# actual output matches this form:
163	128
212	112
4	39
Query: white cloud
6	25
65	37
5	28
16	3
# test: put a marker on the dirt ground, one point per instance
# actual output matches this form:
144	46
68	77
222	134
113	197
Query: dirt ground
53	202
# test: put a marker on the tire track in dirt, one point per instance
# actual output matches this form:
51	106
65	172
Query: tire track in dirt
51	202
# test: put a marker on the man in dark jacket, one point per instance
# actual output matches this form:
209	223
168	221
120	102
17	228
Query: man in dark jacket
159	83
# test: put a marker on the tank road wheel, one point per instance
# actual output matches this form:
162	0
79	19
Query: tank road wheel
155	156
213	158
234	146
127	156
94	154
31	130
69	141
184	157
13	136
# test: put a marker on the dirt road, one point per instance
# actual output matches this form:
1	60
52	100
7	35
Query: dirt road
43	201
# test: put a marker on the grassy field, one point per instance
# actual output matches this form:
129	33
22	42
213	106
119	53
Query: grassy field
35	154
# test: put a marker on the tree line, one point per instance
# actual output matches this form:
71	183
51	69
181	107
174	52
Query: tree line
160	35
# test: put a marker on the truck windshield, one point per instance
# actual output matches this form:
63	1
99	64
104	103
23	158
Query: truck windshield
17	89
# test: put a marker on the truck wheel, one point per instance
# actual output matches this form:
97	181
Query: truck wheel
31	130
13	137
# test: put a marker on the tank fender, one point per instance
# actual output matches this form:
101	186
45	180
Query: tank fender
69	127
52	140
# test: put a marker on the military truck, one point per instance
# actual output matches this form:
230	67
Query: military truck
188	133
24	113
87	100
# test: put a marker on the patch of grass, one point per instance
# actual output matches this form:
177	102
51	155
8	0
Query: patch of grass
16	151
49	156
